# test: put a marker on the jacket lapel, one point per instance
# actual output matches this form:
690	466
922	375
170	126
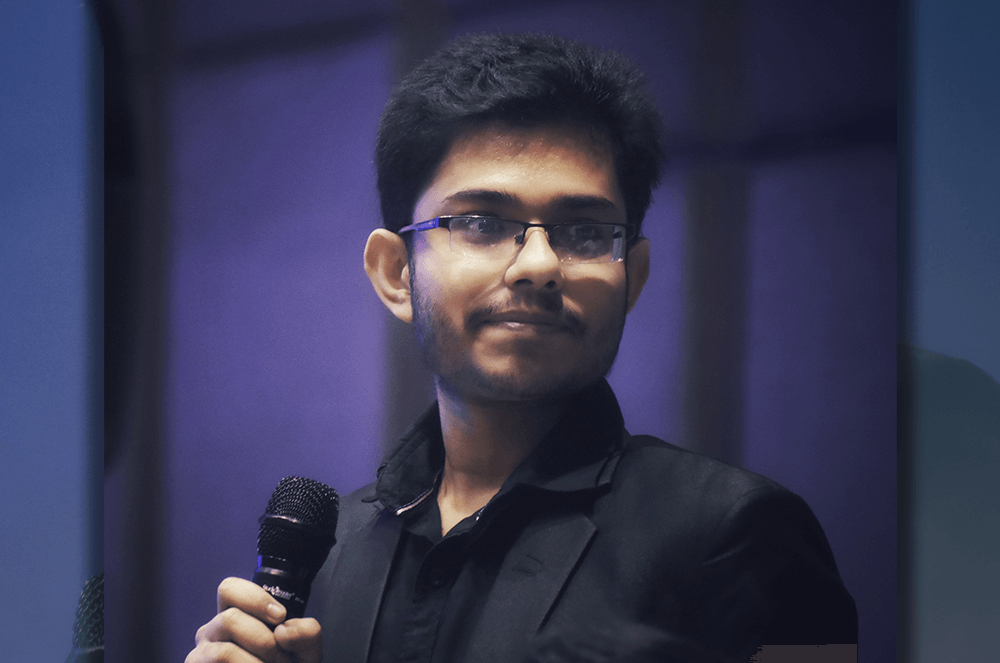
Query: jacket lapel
354	594
531	578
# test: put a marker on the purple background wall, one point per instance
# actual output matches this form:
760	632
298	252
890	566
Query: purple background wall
275	356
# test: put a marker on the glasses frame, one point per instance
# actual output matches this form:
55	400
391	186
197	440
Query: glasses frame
445	222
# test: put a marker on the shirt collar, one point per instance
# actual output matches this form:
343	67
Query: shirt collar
579	453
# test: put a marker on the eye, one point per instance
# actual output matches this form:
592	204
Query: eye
487	226
586	240
481	229
586	232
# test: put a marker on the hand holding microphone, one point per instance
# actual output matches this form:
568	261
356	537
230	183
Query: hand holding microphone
263	618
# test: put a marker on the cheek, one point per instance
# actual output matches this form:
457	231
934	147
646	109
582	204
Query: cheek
600	294
453	291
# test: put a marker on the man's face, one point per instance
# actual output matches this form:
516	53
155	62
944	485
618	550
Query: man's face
528	327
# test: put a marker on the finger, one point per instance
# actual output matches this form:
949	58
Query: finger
235	627
302	637
251	599
220	652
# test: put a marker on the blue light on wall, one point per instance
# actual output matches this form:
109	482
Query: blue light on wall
44	308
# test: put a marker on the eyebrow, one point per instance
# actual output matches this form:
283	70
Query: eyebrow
567	203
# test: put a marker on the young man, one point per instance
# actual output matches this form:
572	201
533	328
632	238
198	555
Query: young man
514	173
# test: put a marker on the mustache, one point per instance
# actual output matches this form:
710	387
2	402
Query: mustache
553	312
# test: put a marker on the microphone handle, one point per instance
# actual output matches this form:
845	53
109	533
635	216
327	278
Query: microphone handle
289	585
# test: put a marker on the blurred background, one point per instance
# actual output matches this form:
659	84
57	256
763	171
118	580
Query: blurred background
245	343
51	325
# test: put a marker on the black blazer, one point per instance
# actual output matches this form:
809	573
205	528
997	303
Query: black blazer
650	533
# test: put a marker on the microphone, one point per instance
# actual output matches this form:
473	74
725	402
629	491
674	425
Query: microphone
88	629
296	534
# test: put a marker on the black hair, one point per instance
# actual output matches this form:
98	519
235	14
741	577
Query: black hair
519	80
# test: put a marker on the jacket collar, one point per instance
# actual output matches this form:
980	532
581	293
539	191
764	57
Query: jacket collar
579	454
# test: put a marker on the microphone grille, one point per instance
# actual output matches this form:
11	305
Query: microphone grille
88	629
299	522
306	501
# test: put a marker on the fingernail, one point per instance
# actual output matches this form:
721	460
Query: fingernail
275	611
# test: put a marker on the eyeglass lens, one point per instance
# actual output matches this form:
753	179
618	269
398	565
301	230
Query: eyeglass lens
572	242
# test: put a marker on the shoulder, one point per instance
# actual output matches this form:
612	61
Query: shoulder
679	495
660	473
750	553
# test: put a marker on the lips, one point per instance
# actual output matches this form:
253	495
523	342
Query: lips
528	320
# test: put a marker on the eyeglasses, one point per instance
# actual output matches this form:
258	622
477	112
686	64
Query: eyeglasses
501	239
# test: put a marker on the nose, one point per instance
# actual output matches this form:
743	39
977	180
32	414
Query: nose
536	264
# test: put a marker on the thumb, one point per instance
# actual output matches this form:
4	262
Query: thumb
300	637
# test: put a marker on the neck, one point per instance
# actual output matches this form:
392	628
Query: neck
484	442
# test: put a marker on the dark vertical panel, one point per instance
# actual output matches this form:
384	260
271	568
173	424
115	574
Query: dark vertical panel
95	286
715	305
134	504
409	386
905	396
421	26
819	378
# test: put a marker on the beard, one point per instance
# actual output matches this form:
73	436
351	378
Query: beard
443	348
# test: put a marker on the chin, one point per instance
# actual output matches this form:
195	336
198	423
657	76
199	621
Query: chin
536	383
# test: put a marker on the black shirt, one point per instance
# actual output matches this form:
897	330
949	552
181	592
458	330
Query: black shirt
437	586
427	597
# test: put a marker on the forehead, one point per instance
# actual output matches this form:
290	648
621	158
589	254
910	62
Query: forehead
532	167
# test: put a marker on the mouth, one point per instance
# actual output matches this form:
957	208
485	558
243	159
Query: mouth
527	321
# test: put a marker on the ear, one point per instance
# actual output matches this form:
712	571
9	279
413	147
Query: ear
387	268
636	270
